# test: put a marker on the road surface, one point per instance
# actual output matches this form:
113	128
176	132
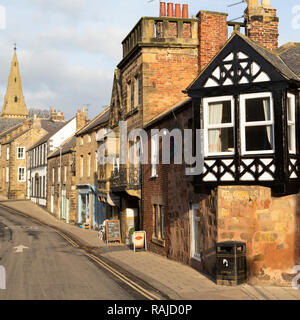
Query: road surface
41	265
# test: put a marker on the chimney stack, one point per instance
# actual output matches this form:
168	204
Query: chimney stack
262	23
212	33
80	119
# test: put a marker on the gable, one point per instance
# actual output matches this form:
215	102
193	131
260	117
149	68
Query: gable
236	64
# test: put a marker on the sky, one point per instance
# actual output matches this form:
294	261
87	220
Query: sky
68	49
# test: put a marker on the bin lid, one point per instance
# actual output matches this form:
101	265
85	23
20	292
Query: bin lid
231	243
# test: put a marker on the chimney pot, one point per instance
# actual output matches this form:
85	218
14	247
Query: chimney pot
170	9
177	10
162	9
185	11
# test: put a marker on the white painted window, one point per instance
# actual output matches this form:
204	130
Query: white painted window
291	106
257	123
59	175
20	153
154	155
196	232
219	125
129	98
7	175
21	174
7	153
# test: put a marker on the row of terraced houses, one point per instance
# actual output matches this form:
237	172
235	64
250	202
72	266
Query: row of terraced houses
181	73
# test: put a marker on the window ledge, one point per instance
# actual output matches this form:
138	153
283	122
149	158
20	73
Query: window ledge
197	258
160	242
153	177
132	112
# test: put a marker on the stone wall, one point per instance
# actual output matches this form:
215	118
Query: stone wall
268	225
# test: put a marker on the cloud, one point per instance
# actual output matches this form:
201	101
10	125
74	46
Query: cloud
70	6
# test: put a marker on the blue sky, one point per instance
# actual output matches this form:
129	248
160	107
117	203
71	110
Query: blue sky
68	49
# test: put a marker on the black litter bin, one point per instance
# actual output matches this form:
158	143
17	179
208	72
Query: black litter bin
231	263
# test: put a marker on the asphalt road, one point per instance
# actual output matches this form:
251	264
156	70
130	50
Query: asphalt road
50	267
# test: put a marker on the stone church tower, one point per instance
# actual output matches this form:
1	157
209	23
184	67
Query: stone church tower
14	104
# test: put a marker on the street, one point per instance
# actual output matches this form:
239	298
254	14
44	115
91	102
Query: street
41	265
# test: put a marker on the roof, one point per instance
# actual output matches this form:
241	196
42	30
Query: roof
286	62
17	136
163	115
7	125
101	118
51	127
67	147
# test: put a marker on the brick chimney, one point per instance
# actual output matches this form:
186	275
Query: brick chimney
262	23
213	34
80	118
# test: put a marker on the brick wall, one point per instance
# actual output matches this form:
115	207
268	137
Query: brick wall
262	25
213	34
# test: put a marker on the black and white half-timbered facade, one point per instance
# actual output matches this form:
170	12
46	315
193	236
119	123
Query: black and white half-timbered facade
247	103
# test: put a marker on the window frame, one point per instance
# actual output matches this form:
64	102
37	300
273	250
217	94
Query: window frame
19	180
23	157
195	256
293	121
207	126
154	155
244	124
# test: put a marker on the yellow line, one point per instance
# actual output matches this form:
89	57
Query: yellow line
129	282
74	244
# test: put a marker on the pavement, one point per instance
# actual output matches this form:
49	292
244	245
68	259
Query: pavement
176	280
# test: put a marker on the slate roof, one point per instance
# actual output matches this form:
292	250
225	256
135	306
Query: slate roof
51	127
8	124
67	146
98	120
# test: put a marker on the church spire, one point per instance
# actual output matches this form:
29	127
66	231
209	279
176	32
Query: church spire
14	103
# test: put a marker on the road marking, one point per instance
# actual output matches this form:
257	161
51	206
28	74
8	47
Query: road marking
74	244
20	248
132	284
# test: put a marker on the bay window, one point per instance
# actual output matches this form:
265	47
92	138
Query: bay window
257	123
218	125
291	101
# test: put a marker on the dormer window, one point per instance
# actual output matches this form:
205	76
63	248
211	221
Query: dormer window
257	120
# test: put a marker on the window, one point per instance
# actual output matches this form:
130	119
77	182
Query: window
89	164
89	137
53	175
116	164
16	99
137	91
218	125
129	97
7	153
159	216
0	150
81	166
196	233
81	140
65	174
257	123
7	175
291	102
21	174
20	153
154	155
59	175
